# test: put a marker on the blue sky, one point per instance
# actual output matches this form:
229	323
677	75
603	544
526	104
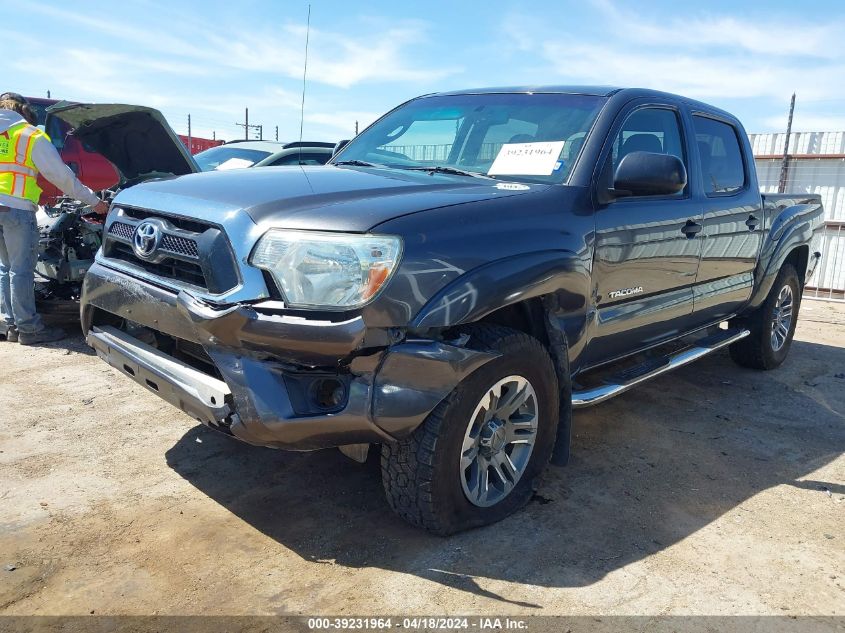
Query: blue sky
211	59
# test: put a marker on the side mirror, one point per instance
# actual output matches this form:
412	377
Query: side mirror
339	146
649	174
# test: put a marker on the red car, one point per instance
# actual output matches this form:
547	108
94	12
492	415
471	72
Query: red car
89	166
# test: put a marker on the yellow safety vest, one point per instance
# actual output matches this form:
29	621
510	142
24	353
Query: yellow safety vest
18	174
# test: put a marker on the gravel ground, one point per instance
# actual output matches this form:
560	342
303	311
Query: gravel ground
713	490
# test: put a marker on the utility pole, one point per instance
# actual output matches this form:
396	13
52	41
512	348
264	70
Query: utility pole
356	128
214	135
48	94
277	132
260	132
246	126
784	166
190	140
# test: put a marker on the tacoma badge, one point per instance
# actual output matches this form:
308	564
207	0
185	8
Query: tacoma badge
625	292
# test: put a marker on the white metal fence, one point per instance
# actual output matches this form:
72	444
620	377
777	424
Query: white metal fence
829	280
816	165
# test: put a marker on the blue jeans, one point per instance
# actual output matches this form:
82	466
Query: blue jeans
18	255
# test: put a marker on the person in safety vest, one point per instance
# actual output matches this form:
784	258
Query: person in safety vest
26	152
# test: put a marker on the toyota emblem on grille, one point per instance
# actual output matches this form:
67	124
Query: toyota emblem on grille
146	239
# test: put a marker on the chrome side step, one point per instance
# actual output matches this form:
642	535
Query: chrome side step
628	378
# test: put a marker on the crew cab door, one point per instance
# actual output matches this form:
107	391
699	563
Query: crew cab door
733	219
646	250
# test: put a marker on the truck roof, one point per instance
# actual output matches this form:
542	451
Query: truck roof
597	91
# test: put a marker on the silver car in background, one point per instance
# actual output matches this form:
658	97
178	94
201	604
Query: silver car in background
240	154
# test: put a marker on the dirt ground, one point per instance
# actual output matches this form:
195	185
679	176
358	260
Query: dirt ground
713	490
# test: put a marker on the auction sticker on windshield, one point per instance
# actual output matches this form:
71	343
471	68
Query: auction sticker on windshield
526	159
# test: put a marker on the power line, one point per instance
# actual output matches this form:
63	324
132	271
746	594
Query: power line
247	127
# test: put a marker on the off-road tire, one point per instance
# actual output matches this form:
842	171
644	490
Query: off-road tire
756	351
421	473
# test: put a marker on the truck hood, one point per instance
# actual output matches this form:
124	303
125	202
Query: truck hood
315	198
135	139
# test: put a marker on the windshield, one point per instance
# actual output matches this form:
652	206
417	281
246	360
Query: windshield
40	110
529	137
228	157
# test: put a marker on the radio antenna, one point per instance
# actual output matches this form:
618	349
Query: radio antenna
304	75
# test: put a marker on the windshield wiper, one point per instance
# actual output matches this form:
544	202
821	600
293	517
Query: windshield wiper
355	163
440	169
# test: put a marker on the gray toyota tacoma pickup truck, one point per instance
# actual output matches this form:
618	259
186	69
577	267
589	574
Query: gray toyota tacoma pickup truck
458	278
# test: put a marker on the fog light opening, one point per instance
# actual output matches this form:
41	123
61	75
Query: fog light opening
328	393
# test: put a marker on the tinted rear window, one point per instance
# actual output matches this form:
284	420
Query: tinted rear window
721	157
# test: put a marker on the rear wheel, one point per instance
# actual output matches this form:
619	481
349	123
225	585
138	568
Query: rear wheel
475	459
772	325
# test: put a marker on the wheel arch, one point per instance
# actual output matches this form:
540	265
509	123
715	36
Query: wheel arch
795	223
792	247
513	288
544	294
799	257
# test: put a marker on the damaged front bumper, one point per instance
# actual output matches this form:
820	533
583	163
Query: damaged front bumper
267	365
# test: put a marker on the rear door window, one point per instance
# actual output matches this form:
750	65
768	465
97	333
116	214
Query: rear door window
722	165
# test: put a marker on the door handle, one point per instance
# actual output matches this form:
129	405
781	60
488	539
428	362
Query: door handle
752	222
691	229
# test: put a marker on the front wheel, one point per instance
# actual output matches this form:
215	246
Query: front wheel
475	459
772	325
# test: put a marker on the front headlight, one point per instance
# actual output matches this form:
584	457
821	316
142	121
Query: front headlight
327	270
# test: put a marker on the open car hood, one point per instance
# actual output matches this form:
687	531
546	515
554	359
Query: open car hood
136	139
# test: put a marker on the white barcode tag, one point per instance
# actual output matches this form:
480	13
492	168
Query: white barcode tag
526	159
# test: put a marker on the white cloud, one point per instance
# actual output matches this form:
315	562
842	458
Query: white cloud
760	35
335	59
158	40
216	68
93	73
708	56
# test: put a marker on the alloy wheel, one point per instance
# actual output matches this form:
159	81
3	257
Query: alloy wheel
782	317
499	439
